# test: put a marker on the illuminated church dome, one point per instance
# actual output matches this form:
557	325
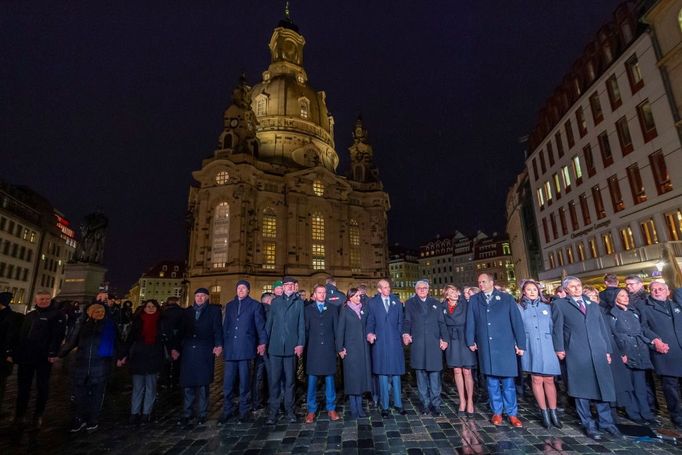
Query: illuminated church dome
294	126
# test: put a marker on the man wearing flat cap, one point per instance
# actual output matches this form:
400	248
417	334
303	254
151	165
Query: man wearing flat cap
285	327
199	340
244	337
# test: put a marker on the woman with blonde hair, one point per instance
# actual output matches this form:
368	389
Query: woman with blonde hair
457	355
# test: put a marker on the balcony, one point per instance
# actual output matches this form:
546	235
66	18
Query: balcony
641	260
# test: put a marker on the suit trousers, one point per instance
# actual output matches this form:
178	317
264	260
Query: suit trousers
605	416
25	374
259	382
232	369
502	395
282	367
429	388
384	389
671	392
89	399
198	394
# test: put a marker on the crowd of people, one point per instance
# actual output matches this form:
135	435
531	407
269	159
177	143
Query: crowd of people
609	350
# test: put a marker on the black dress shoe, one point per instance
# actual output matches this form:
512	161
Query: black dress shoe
424	411
653	423
401	411
291	418
184	421
244	418
595	435
614	432
435	412
271	420
201	421
385	413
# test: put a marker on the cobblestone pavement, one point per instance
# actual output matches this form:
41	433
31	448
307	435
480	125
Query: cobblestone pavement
412	434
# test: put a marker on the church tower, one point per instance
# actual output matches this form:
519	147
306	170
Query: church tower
269	201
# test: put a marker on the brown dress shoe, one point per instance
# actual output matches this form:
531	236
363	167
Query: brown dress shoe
310	417
333	416
515	422
496	420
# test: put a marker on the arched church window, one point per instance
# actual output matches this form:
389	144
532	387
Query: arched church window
679	19
305	107
227	141
317	236
318	188
359	173
222	177
221	232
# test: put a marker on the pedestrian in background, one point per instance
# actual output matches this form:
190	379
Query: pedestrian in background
10	323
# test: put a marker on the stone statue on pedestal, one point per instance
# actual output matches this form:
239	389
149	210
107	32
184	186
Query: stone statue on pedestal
93	233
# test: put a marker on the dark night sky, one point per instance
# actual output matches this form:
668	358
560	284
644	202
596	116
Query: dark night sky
114	105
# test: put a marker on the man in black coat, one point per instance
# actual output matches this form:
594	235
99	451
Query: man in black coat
334	297
41	335
285	327
609	294
9	335
261	368
424	328
244	337
172	320
580	336
200	341
663	316
321	319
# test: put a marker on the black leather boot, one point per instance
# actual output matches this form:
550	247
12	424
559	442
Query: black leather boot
555	418
545	418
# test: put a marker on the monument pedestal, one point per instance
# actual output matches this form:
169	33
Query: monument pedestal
81	281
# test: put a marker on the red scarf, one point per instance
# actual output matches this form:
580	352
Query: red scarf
149	326
451	308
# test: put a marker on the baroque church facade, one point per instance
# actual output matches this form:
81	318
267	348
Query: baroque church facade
269	201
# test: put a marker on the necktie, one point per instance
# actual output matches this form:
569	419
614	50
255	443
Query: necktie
197	313
239	308
581	306
320	307
386	304
487	297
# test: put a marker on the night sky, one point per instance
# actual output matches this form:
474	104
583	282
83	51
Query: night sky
112	106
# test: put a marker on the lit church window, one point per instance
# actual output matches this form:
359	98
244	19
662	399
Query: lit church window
221	231
317	234
318	188
222	177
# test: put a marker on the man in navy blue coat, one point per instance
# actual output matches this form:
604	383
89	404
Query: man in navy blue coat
424	328
494	328
384	332
244	337
200	339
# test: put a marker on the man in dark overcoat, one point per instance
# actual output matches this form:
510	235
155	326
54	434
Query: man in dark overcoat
663	316
244	337
10	322
581	337
321	319
200	340
334	297
424	329
285	327
494	328
384	332
172	322
41	334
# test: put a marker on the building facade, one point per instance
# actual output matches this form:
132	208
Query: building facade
35	244
269	201
404	270
522	229
605	162
163	280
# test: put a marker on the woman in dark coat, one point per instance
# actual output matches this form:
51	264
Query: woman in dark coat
96	339
458	356
632	346
353	348
622	377
540	358
144	352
